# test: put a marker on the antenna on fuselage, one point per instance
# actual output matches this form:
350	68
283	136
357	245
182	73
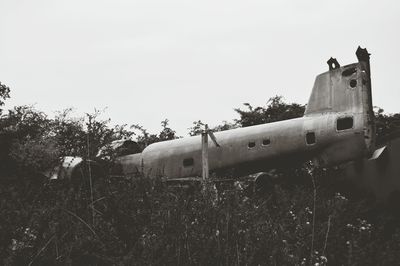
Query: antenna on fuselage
213	138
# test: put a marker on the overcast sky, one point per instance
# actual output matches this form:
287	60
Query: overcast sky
188	60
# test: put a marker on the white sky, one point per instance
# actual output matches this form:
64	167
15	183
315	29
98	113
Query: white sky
188	60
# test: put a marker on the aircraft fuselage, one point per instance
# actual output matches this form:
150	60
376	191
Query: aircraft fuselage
337	126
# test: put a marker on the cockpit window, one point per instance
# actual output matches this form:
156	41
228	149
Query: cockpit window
344	123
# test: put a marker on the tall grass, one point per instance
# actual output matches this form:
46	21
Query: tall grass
142	221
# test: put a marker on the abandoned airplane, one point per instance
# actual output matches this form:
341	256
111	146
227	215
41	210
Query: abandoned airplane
337	127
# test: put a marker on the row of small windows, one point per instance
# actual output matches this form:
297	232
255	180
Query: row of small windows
341	124
188	162
265	142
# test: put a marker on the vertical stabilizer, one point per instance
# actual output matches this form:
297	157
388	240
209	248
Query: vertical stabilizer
346	90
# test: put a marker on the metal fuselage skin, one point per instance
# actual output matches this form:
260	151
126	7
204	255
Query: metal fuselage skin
339	96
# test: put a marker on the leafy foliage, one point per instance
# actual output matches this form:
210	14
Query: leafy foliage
387	125
32	142
4	94
75	135
276	110
198	127
145	138
25	141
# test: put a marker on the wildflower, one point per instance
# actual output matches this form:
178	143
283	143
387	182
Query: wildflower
14	244
340	196
293	215
30	233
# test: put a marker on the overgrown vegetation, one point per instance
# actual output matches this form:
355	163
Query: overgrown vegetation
141	221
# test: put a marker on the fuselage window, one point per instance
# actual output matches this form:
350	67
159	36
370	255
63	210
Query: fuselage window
251	144
266	142
188	162
310	138
344	123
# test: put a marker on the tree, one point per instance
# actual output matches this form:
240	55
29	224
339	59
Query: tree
26	141
31	142
387	125
4	94
225	126
145	138
85	136
166	133
197	128
276	110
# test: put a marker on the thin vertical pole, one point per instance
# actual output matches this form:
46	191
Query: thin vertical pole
204	152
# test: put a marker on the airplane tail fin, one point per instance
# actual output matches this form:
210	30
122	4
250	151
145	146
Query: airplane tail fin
346	90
